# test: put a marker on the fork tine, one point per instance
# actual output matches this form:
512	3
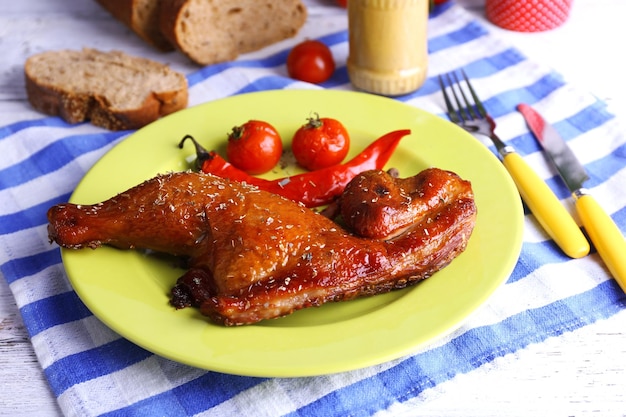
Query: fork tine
465	107
452	114
479	105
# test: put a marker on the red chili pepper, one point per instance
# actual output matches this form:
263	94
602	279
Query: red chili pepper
314	188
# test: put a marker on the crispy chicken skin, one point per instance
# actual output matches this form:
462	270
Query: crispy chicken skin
254	255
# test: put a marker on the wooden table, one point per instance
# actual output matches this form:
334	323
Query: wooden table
579	373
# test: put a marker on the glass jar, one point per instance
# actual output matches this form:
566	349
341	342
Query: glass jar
388	45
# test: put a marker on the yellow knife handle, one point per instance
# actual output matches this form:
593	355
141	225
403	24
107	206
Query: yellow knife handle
605	235
546	207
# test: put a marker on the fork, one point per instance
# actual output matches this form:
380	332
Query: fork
472	116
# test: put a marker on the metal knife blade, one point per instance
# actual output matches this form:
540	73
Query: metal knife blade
602	230
570	169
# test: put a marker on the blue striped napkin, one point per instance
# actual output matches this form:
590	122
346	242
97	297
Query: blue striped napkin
93	371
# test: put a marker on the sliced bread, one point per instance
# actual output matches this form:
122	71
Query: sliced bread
142	16
211	31
112	89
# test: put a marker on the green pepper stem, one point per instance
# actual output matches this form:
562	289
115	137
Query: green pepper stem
202	154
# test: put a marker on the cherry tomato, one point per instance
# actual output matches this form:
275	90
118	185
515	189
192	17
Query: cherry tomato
342	3
254	147
310	61
320	143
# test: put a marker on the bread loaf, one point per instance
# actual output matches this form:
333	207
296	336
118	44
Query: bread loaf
142	16
211	31
113	90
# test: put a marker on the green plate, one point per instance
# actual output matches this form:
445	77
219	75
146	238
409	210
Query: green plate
128	290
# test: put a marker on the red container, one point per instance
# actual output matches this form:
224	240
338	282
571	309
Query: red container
528	15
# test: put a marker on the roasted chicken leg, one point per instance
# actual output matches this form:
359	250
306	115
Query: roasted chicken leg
254	255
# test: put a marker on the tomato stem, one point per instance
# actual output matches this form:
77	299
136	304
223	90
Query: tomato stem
314	122
236	133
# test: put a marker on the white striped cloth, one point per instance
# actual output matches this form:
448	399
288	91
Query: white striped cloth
93	371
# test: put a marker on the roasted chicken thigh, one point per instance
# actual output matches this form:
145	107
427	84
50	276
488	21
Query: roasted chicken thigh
253	255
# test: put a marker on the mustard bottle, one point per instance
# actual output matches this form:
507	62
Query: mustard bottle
388	45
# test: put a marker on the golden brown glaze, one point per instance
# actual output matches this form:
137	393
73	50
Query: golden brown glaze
254	255
376	205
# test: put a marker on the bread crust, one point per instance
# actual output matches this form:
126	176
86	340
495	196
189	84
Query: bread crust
215	31
142	17
51	97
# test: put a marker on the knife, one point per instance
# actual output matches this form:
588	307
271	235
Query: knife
602	230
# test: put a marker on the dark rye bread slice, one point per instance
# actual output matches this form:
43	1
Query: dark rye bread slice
142	16
112	89
211	31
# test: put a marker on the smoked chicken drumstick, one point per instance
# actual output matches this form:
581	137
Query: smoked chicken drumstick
254	255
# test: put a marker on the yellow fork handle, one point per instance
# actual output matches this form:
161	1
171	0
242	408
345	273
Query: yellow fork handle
546	207
604	234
